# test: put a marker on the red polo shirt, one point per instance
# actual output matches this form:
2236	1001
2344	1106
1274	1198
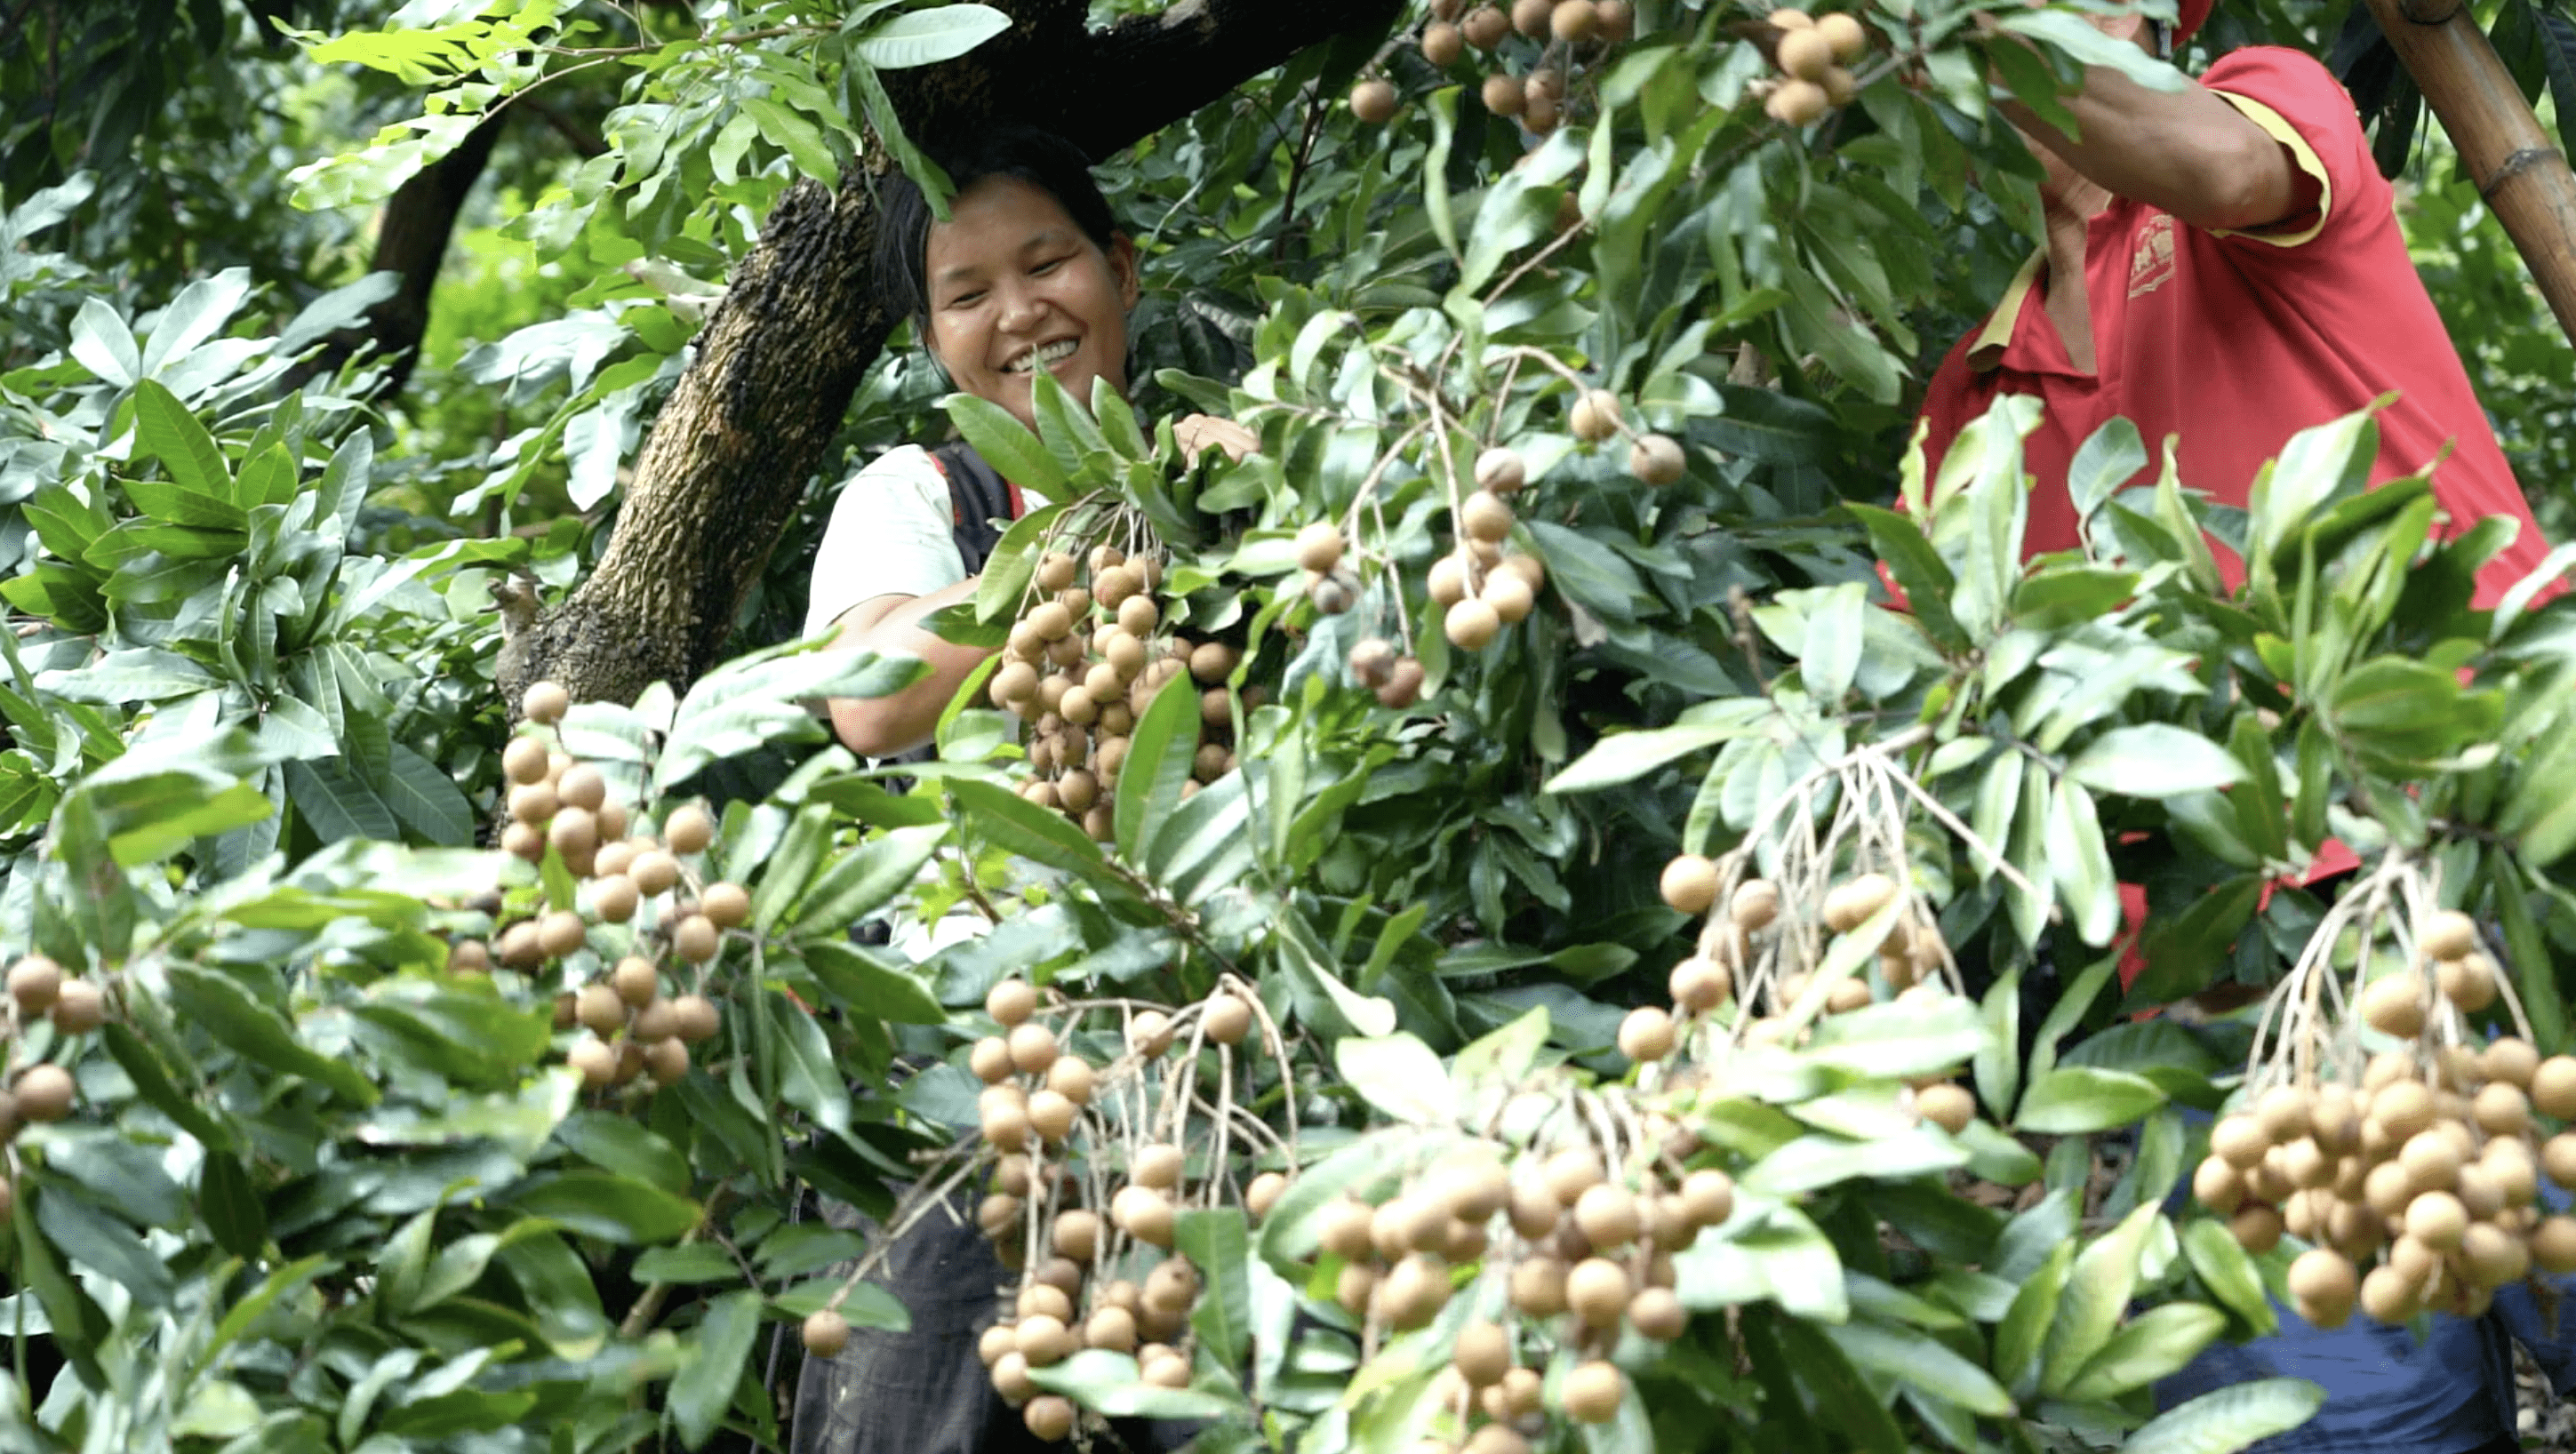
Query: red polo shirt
2234	341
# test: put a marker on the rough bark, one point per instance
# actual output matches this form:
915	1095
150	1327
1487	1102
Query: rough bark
411	242
747	425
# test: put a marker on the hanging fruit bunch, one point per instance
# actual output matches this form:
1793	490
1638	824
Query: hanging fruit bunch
658	917
35	1093
1812	54
1837	925
1571	39
1090	648
2377	1126
1580	1225
1101	1125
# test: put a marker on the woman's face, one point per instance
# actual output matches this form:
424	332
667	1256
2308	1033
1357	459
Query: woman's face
1016	286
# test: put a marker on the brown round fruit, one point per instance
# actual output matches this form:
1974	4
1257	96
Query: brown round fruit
1264	1193
1032	1047
1689	883
1595	416
545	702
1373	101
1532	17
1484	516
1228	1019
1485	27
1593	1392
1797	103
1656	459
524	761
826	1333
44	1093
1597	1290
696	940
1646	1034
79	1008
1501	471
1947	1105
2395	1005
1850	904
636	981
1483	1354
1472	624
1049	1417
1442	44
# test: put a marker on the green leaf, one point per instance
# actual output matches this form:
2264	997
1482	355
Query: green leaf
1626	756
927	37
1006	444
234	1213
2097	1294
2230	1418
1014	561
168	432
1218	1242
427	799
2017	1338
1398	1076
2078	1099
807	1079
703	1388
2155	760
1159	756
106	1246
1012	822
222	1008
607	1206
1924	1362
2155	1344
2228	1272
2083	860
104	345
860	882
795	135
614	1143
1110	1383
858	980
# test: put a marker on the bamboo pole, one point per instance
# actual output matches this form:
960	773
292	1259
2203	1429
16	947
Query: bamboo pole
2523	177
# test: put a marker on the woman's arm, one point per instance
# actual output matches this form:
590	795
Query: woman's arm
885	726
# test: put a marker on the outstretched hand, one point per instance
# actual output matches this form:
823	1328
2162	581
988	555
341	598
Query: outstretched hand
1198	432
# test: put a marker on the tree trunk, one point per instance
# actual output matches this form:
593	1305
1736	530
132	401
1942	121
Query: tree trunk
729	456
2520	174
411	241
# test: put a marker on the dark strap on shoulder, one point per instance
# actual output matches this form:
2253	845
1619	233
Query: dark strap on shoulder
979	500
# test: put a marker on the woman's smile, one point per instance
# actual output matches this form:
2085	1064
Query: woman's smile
1015	286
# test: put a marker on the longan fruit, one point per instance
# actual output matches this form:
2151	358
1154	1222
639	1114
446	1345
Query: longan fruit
654	871
2553	1087
1533	17
1656	459
1356	1287
1708	1195
596	1060
1646	1034
1442	44
1851	903
2468	982
1077	1233
2402	1109
1032	1047
1319	546
2501	1109
1538	1286
1948	1105
689	829
1571	1172
1484	516
1844	34
78	1007
1485	27
2283	1112
2436	1219
1699	985
533	804
1373	101
1052	1116
1483	1354
635	981
696	940
1597	1290
1011	1001
1472	624
2449	934
2394	1005
1689	883
524	761
1050	1417
1797	103
1594	416
2553	1245
1509	596
1657	1313
1593	1391
2256	1227
545	702
1149	1035
1228	1019
2215	1184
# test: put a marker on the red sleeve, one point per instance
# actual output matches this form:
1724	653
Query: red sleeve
2300	104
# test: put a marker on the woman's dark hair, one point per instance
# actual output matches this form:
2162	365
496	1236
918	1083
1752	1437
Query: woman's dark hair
1042	159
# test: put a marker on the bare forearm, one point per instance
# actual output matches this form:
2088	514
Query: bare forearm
884	726
2186	152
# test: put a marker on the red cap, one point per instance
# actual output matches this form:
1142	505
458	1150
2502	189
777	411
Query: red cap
2188	17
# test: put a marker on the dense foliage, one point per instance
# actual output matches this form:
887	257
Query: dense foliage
349	1168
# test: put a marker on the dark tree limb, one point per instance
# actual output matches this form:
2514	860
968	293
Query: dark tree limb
747	425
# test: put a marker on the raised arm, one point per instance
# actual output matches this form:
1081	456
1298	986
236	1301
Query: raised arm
2187	152
885	726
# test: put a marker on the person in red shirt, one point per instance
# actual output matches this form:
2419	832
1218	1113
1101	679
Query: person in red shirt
2224	265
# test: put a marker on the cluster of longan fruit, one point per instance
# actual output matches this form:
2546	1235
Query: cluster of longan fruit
41	1093
1085	657
1565	30
1811	52
2428	1166
1034	1113
1910	961
1589	1255
1381	665
562	806
1655	459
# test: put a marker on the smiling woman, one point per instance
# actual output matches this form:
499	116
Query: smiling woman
1027	272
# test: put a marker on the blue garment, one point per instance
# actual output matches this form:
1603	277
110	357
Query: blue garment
2388	1394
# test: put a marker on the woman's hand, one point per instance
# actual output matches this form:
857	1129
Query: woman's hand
1197	433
